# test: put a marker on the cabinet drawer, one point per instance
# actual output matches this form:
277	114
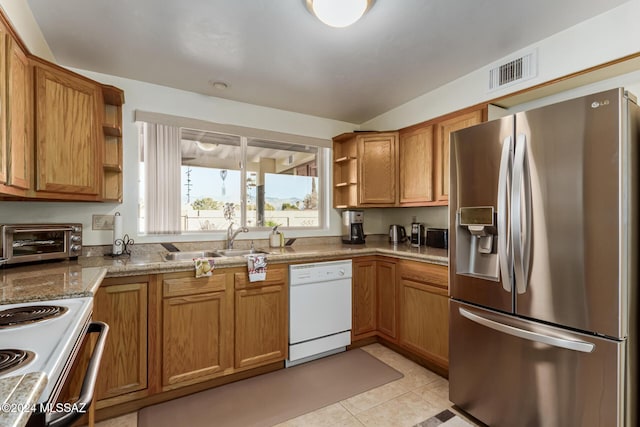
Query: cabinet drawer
178	284
435	275
275	275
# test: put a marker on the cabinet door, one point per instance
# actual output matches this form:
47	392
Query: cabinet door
416	166
423	311
195	345
443	141
261	334
377	165
67	145
387	300
124	362
18	119
364	299
3	103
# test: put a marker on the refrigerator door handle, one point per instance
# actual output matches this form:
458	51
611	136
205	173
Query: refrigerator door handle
520	199
576	345
504	182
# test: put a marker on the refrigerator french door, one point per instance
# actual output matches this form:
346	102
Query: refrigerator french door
543	265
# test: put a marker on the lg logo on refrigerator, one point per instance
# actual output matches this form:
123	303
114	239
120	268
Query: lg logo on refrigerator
596	104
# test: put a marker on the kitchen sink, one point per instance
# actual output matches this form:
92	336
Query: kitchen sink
189	255
239	252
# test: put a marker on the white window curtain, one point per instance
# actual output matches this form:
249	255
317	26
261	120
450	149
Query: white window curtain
162	166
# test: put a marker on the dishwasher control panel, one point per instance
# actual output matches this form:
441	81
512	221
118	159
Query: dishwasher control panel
319	272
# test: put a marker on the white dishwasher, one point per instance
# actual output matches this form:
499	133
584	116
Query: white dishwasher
319	310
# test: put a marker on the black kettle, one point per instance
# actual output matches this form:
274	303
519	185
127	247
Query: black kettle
397	234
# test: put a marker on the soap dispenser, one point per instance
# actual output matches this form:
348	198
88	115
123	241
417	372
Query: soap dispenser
275	238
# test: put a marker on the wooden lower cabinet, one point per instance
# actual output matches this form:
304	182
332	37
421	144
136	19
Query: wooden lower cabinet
387	298
261	318
423	311
197	328
364	298
122	304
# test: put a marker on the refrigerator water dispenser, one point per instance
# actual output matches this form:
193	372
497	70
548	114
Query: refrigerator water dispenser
476	249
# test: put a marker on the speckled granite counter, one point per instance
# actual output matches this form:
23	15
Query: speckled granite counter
17	395
41	282
70	279
153	263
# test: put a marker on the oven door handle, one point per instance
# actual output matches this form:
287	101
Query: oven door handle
60	419
37	230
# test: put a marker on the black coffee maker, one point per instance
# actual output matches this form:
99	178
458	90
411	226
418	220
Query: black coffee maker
353	227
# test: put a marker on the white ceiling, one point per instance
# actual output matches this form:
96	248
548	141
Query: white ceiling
274	53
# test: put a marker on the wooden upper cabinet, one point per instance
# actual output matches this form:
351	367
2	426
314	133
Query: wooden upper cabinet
443	140
18	131
378	162
416	153
67	138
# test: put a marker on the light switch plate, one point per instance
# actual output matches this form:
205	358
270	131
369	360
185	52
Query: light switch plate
102	222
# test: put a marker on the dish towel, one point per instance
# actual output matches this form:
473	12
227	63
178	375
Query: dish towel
257	266
203	266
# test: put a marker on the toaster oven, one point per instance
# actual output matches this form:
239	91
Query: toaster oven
20	243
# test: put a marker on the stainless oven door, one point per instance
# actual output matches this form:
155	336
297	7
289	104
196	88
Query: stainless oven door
66	413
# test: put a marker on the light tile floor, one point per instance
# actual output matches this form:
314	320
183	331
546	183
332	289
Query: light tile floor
419	395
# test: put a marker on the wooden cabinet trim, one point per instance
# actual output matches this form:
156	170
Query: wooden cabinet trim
179	284
435	275
275	275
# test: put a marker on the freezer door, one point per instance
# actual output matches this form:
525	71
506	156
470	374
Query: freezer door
508	372
567	189
479	244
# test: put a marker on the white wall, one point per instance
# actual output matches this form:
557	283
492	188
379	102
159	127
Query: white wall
24	23
149	97
603	38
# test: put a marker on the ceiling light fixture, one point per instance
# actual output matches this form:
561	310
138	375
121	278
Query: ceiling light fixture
338	13
218	84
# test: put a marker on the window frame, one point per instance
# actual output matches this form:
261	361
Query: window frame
323	156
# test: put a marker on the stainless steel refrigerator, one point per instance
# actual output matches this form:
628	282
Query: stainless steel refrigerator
543	262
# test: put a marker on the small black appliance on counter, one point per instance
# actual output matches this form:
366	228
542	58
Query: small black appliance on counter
418	234
438	238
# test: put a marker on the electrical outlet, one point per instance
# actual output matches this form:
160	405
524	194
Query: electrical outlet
102	222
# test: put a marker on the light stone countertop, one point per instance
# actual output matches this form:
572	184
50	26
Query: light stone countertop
153	262
49	281
17	395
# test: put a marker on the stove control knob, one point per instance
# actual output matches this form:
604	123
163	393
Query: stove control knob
76	239
76	229
76	248
341	272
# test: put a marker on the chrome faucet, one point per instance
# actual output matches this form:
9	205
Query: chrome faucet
231	235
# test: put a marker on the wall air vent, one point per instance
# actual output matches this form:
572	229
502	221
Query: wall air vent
514	71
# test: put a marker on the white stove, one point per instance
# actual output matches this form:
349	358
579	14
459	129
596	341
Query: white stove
50	344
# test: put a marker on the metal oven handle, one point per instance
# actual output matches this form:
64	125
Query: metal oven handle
60	419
